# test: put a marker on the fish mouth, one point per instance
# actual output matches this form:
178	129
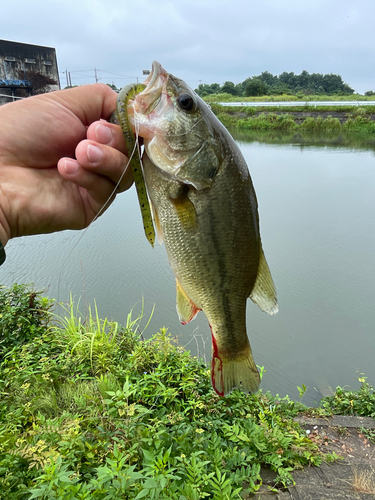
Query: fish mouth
156	69
146	101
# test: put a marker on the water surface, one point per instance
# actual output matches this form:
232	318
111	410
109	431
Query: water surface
317	214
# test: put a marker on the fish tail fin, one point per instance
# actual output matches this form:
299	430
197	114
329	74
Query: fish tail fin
228	373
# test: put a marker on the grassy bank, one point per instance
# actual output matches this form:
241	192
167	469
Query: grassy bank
287	97
356	119
90	410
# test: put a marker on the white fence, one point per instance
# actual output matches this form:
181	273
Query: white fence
10	97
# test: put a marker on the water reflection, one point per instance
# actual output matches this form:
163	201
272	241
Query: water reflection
364	142
317	212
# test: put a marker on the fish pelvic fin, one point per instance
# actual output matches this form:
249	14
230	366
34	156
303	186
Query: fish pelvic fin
263	293
186	309
230	373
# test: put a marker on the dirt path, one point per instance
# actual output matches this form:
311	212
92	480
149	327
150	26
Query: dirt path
350	478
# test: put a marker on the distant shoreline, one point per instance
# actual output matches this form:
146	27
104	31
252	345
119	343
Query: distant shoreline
335	118
300	116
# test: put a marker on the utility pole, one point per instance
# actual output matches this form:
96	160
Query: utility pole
67	82
96	75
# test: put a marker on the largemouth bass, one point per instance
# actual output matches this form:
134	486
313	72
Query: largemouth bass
205	210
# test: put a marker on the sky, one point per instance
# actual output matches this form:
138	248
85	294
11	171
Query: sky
199	41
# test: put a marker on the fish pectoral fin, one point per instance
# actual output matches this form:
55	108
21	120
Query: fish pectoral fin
186	309
263	293
185	209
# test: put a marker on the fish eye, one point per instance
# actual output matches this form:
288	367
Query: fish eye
186	102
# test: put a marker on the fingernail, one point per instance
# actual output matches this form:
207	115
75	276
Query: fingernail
71	167
103	134
94	154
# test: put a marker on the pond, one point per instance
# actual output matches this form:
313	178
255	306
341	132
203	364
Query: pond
317	215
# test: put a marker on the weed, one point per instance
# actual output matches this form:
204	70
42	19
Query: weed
358	119
24	315
349	402
364	481
90	410
319	124
214	98
302	391
369	433
269	121
341	431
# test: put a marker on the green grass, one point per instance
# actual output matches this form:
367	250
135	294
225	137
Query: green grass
90	410
287	97
358	119
346	401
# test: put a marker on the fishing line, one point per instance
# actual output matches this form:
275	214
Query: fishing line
109	199
136	146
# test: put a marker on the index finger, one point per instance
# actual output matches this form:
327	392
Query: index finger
88	102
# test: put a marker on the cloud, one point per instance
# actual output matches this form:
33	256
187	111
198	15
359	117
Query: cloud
200	40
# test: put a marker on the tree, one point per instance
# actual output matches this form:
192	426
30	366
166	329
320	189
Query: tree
208	89
268	78
229	88
240	89
286	83
112	86
40	84
255	86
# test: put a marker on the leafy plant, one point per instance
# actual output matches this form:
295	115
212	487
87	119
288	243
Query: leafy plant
24	314
141	421
369	433
349	402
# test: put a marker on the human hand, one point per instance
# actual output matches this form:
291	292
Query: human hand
59	160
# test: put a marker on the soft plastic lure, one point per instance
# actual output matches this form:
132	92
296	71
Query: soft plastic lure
127	93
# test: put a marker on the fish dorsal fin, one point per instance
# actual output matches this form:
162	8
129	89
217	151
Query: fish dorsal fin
186	309
263	293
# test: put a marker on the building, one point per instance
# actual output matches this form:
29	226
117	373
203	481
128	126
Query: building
16	58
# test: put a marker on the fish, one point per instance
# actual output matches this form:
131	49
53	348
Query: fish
205	211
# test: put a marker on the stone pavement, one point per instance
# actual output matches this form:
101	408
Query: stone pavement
352	478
